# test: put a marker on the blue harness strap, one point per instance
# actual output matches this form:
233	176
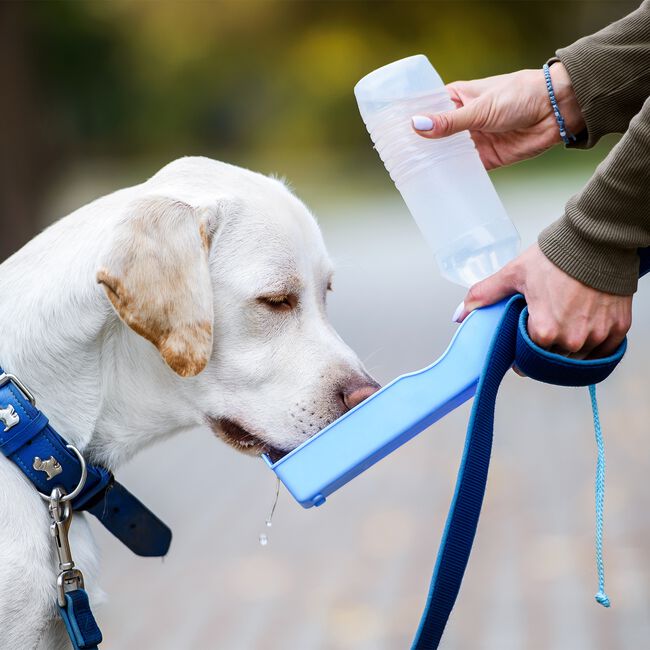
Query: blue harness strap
511	345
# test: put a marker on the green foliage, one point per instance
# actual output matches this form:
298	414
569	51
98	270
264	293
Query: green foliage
250	77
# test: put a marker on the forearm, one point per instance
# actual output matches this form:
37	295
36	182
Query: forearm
596	240
610	74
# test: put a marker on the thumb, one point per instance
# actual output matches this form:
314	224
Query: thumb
502	284
439	125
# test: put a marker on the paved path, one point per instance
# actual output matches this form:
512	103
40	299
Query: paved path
353	575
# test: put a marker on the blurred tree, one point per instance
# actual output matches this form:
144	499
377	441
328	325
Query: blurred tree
233	78
25	157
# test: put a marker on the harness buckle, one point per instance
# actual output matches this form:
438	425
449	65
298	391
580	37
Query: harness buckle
6	377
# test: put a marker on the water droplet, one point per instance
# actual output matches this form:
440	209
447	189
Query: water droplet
264	540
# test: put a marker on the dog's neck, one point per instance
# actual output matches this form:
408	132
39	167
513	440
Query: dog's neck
103	388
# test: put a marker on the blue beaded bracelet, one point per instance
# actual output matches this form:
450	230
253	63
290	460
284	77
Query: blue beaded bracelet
567	136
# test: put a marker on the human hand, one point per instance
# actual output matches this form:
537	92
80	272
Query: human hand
509	116
564	315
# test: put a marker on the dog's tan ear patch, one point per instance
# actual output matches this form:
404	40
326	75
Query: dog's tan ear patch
156	275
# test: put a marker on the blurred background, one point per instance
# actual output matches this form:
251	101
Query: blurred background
99	95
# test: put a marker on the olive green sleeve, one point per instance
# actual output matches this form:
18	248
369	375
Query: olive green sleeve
610	74
597	238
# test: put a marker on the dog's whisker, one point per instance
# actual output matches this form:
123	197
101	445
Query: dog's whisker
373	353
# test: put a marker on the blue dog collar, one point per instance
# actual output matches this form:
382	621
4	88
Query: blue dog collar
48	461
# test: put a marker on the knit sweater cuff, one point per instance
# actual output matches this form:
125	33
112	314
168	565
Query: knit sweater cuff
610	74
612	270
580	60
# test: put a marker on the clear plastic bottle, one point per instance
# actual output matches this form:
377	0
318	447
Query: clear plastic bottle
442	181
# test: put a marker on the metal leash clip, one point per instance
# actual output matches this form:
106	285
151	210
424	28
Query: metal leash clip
69	577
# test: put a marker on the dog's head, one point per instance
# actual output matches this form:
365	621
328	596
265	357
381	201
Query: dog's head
232	292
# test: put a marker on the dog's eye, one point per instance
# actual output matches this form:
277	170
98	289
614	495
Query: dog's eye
280	302
329	286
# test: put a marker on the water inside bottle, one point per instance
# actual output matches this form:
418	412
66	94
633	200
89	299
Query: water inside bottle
465	264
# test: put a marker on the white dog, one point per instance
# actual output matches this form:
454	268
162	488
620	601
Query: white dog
203	287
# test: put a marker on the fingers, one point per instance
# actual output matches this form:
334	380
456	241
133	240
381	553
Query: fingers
565	316
606	349
560	336
615	337
568	345
593	337
498	286
598	339
439	125
595	344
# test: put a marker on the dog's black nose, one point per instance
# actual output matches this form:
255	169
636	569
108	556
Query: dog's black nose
357	390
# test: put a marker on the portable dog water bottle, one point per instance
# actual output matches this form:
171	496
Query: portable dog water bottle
453	201
442	181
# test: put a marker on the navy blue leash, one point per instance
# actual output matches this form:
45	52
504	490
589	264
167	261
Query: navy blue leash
511	344
79	621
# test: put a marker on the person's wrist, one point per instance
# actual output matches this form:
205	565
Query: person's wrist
566	98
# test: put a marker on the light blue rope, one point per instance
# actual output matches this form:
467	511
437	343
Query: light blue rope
601	596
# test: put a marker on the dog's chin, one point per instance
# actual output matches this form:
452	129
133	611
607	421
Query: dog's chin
244	440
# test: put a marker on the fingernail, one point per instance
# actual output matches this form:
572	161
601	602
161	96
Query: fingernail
422	123
458	312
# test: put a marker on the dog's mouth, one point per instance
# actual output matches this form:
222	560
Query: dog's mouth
243	440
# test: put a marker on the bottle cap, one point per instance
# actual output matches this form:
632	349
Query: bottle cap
410	77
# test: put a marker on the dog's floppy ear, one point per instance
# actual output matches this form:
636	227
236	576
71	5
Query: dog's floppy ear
155	273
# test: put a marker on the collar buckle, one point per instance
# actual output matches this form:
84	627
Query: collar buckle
5	378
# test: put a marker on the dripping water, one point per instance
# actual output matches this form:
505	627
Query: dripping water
264	539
